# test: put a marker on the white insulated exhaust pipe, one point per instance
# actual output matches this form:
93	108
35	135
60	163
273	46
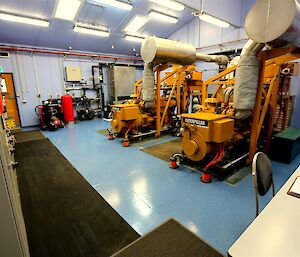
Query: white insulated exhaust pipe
272	22
158	50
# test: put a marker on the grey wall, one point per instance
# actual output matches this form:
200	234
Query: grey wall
46	79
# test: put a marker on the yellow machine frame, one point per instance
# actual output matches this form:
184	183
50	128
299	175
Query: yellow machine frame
176	81
267	91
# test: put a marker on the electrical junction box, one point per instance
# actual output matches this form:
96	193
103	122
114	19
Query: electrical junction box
73	74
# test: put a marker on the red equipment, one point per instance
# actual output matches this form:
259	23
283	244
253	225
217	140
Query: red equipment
41	116
1	104
67	104
206	177
50	114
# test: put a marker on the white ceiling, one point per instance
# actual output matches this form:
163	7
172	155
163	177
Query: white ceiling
60	33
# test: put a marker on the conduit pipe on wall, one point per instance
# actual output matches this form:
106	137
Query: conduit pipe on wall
66	53
24	74
19	77
36	78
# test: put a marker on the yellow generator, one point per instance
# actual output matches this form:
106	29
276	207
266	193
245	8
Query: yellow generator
129	117
162	95
204	133
135	118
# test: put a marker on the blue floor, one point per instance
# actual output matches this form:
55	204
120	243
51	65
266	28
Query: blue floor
145	192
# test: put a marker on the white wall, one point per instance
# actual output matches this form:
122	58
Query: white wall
48	80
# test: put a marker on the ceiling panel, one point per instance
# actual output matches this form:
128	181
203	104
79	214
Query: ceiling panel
32	8
60	33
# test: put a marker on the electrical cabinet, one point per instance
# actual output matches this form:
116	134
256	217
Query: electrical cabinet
73	74
121	81
13	237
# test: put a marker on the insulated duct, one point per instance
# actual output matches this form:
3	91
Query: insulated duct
148	85
158	50
219	59
275	22
265	24
246	80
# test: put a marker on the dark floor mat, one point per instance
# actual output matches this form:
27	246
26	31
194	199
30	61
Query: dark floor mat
25	136
238	176
171	239
64	215
165	150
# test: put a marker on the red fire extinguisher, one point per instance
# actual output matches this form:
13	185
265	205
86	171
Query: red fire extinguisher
1	104
68	109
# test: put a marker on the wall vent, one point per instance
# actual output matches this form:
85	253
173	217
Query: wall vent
4	54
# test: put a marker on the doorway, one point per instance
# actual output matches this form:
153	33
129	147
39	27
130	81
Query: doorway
10	99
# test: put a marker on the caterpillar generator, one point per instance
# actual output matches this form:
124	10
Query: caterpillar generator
240	115
161	95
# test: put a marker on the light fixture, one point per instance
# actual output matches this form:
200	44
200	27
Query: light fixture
115	3
170	4
67	9
25	20
213	20
134	38
91	31
163	17
135	24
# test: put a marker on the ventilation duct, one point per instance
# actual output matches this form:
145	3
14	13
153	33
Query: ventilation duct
158	50
265	24
275	22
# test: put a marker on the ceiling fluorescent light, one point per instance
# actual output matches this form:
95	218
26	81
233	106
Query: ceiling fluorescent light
170	4
118	4
213	20
163	17
136	23
67	9
134	38
20	19
89	31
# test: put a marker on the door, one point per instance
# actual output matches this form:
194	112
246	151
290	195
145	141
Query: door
10	98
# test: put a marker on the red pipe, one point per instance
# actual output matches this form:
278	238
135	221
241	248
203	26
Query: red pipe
42	51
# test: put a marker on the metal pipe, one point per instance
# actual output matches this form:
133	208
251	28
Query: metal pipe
148	94
159	50
36	79
219	59
251	48
262	27
246	82
224	43
56	52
